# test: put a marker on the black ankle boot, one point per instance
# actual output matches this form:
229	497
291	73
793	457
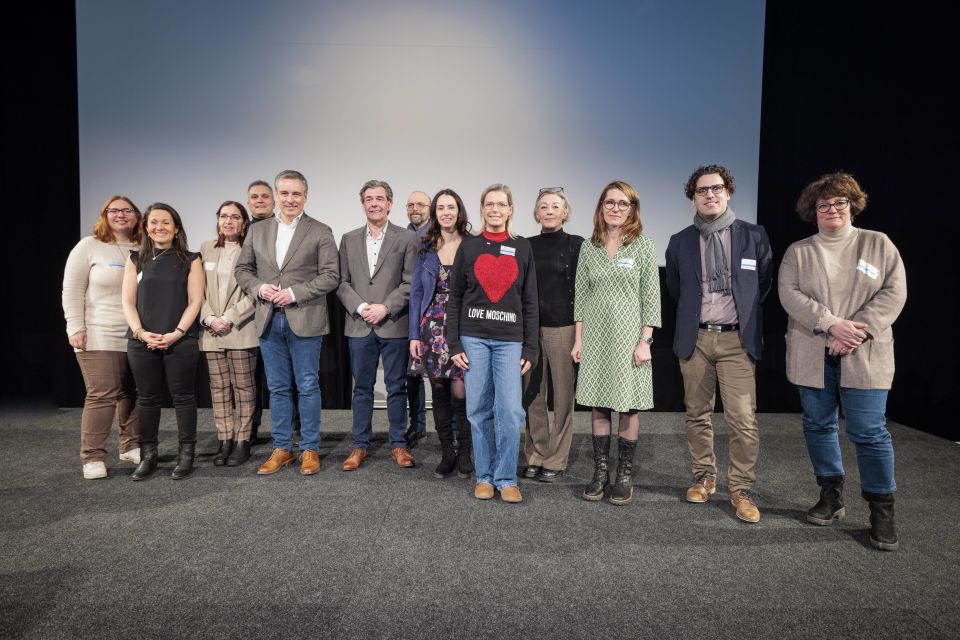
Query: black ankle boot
830	506
622	492
148	462
883	529
241	453
184	461
601	472
464	438
226	448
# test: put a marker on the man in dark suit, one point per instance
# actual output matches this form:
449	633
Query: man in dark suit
718	271
288	265
376	267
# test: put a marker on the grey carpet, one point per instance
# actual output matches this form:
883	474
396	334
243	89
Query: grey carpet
392	553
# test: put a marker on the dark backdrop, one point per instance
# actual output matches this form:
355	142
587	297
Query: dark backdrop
845	86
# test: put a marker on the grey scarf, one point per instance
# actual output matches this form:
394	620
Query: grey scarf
718	271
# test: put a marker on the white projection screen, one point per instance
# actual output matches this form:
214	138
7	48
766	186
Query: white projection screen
187	102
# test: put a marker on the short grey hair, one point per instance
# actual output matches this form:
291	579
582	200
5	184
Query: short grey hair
290	174
373	184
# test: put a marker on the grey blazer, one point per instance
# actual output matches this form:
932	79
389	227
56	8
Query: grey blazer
389	284
309	268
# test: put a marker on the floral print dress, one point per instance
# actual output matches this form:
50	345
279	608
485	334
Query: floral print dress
436	361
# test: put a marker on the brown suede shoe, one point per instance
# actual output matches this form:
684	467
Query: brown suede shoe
354	460
402	456
746	503
511	494
483	491
309	463
277	460
704	486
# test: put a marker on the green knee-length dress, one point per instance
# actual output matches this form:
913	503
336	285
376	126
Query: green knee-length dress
615	299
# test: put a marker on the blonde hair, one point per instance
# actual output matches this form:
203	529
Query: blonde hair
483	196
552	191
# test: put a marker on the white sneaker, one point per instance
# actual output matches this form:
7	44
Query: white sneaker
131	456
94	470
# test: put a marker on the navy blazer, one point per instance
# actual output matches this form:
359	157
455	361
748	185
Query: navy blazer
425	272
750	286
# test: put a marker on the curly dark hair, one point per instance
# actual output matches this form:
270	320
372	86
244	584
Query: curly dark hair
706	170
432	238
831	185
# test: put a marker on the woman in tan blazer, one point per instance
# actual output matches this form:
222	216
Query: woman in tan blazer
842	289
230	340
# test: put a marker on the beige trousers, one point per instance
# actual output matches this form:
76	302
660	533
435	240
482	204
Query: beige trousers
543	446
111	393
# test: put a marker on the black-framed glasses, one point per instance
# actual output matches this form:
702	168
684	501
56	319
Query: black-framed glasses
115	212
621	205
412	206
839	205
715	189
229	216
550	190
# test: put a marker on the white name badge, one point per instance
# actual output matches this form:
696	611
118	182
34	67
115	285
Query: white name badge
866	268
209	266
115	265
507	251
625	263
748	263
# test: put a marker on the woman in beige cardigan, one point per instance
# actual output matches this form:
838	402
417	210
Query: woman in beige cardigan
230	340
842	289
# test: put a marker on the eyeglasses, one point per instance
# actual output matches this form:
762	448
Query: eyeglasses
503	206
116	212
411	206
715	189
622	205
550	190
839	205
231	217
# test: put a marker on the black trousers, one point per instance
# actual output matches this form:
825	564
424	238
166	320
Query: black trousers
178	365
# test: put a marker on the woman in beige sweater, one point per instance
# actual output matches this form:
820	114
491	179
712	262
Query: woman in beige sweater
843	288
96	329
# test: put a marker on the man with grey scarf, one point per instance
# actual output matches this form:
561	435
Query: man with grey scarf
718	271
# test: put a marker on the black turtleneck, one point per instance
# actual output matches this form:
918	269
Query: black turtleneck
555	255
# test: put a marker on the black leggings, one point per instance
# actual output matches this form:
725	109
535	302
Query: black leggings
179	365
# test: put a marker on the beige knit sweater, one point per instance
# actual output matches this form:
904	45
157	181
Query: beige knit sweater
91	293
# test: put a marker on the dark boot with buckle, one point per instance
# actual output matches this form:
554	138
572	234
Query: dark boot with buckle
622	492
148	462
601	472
240	454
883	529
226	448
464	438
830	506
184	461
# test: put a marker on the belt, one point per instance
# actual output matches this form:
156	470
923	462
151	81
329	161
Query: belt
279	309
719	328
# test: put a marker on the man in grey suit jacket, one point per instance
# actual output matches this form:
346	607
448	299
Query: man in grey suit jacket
376	266
718	271
288	265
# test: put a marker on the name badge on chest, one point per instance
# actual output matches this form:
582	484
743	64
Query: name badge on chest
209	266
748	263
507	251
625	263
866	268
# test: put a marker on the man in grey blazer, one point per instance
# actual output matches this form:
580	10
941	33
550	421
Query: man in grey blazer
376	266
718	271
288	265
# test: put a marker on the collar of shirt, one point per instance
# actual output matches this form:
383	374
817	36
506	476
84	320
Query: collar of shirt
292	225
370	237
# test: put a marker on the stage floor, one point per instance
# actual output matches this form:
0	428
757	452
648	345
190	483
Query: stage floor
385	552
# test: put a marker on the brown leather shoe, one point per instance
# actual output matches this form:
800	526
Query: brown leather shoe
483	491
309	463
746	503
402	456
277	460
511	494
354	460
704	485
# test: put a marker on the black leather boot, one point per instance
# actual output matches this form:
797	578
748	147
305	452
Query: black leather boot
622	492
601	472
226	448
184	461
241	453
830	506
148	462
883	529
464	438
442	414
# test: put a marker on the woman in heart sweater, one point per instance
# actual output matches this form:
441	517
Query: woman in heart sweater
492	325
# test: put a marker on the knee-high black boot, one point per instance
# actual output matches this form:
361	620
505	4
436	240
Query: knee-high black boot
442	418
464	438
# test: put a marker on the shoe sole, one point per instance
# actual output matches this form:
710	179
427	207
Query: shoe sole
442	476
95	477
621	502
270	473
309	473
838	515
548	479
130	460
592	497
465	476
511	500
884	546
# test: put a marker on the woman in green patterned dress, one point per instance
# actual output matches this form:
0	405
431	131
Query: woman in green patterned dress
616	308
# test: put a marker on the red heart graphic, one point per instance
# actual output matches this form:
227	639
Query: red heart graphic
496	274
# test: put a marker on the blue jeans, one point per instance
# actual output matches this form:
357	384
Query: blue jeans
866	427
417	404
494	407
289	359
365	353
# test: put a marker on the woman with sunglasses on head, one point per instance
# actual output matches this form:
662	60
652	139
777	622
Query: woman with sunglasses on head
230	341
617	307
842	289
429	348
555	254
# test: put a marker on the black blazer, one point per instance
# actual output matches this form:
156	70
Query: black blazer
747	241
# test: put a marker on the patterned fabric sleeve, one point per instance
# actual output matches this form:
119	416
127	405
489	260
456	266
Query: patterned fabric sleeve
649	286
582	286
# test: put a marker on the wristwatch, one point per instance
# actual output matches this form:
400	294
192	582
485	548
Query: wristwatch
647	339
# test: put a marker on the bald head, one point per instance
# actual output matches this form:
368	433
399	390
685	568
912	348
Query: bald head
418	209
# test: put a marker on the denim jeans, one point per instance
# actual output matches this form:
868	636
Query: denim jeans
494	407
417	403
289	359
866	427
365	353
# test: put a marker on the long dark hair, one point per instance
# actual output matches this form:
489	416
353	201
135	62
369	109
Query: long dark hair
179	236
432	238
221	239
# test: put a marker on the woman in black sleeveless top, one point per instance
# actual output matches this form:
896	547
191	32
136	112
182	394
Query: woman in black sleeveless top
162	294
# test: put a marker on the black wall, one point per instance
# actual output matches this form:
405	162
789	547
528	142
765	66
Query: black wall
845	86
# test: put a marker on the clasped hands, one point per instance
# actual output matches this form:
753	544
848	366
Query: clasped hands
847	336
